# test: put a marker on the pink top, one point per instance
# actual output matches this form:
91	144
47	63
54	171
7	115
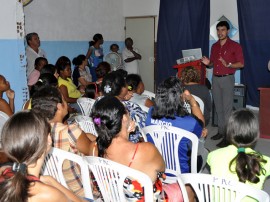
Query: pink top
33	77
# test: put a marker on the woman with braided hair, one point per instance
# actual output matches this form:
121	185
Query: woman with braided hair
26	140
239	161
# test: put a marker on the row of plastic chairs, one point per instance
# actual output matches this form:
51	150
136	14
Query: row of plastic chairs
110	178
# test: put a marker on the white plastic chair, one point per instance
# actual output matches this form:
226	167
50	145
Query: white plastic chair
149	94
85	105
210	188
110	178
167	140
3	119
144	108
198	100
86	124
53	167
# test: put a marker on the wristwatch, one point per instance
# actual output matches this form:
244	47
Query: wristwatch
229	65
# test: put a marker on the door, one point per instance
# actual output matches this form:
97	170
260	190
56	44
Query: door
142	31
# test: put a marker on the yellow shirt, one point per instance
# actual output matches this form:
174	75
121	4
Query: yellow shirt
73	92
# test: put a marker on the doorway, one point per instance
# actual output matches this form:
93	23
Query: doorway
142	31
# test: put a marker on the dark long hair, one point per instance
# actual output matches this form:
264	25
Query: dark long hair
242	132
96	38
45	101
112	84
24	138
107	115
167	102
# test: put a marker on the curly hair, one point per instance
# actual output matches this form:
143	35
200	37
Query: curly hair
190	74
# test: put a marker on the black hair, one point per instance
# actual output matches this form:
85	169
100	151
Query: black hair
102	69
112	84
62	63
44	80
122	72
167	102
91	90
114	44
223	24
107	115
243	132
45	101
24	138
133	80
96	38
78	60
39	59
29	36
49	68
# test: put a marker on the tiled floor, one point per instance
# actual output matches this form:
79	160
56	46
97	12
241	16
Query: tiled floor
262	146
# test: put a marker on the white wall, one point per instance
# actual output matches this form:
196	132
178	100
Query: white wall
140	7
70	20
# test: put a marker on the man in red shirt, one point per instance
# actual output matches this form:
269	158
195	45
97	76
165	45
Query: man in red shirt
226	57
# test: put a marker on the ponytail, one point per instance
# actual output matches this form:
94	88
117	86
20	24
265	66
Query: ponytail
15	187
248	166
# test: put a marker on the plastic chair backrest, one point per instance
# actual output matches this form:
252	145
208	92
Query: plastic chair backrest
144	108
85	105
211	188
149	94
53	167
86	124
167	140
110	178
198	100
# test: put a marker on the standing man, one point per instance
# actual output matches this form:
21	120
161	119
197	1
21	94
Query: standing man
226	57
131	56
33	51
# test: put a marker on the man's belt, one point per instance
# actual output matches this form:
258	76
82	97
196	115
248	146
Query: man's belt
223	75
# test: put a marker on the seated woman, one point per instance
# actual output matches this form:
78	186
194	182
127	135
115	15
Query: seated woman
81	73
69	137
92	91
26	141
169	110
135	84
239	161
67	87
113	124
6	107
40	62
45	79
114	84
190	78
51	69
102	69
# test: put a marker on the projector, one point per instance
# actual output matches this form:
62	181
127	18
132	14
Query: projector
185	60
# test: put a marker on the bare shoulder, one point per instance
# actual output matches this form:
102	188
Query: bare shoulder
42	192
149	149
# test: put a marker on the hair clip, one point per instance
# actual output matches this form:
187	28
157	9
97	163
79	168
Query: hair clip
129	88
19	167
107	89
97	121
40	80
241	149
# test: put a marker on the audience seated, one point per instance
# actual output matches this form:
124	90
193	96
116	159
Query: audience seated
135	84
51	104
51	69
26	140
40	62
67	87
6	107
102	69
45	80
81	73
113	124
92	91
239	161
169	110
190	78
114	84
